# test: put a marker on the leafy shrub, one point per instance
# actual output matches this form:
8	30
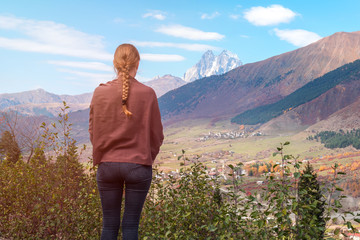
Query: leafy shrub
51	197
9	147
55	197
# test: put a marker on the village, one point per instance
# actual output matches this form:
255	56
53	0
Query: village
228	135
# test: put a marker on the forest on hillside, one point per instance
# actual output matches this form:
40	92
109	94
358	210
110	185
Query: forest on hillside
340	139
308	92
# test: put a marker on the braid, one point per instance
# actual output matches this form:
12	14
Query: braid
125	90
126	58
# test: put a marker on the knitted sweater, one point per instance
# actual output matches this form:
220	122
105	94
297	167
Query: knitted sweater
117	138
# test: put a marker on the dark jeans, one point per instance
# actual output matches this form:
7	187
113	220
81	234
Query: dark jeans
112	178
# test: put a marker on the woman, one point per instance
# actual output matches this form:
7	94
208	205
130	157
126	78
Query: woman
126	133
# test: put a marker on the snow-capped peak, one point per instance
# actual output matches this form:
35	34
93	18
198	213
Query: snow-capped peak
210	64
230	54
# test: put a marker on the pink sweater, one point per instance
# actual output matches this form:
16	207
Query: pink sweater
116	138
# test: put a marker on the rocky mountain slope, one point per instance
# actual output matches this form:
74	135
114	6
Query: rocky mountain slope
40	102
346	119
259	83
329	105
210	64
164	84
303	95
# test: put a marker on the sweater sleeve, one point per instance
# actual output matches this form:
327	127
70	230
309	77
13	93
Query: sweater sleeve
156	129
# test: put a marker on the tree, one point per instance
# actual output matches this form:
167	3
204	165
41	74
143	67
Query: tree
24	129
311	223
9	147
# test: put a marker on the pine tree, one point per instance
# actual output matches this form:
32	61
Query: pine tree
311	222
9	148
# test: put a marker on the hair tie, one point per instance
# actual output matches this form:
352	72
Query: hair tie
124	102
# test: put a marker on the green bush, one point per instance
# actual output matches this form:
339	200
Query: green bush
51	197
9	148
55	197
311	206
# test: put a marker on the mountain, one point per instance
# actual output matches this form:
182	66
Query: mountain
210	64
346	119
164	84
80	125
259	83
326	116
317	111
302	95
40	102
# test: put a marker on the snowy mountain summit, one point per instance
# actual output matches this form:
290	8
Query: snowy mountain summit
210	64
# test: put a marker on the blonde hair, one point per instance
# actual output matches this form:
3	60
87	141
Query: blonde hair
126	58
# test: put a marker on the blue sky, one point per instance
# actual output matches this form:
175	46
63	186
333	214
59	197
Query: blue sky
66	47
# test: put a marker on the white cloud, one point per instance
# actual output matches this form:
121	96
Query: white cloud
97	66
92	78
297	37
159	15
272	15
185	46
189	33
161	57
234	16
142	79
52	38
104	76
210	16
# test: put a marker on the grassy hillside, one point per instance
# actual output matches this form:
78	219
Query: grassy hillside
304	94
213	151
187	96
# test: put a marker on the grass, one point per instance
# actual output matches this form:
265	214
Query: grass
184	135
246	150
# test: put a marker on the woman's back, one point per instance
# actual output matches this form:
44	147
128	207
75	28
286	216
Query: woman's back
118	138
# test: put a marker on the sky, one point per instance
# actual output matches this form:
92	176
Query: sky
67	46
